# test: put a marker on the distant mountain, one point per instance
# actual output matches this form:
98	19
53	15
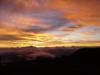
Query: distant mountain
30	53
84	60
33	53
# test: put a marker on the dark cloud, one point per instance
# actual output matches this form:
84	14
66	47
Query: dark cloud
47	24
9	38
23	5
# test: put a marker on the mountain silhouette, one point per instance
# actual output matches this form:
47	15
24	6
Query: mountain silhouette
31	53
80	60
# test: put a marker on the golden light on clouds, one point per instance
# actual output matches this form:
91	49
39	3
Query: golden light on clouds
49	23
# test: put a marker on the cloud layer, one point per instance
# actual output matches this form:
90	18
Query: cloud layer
44	22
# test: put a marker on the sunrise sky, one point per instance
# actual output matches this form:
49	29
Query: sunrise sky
49	23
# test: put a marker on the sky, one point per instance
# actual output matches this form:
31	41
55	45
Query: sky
49	23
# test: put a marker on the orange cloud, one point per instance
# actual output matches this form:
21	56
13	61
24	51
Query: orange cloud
29	22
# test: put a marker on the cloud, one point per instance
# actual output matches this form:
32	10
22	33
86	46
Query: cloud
9	38
27	21
38	22
87	33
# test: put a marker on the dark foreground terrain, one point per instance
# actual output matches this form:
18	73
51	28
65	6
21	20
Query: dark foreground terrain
83	61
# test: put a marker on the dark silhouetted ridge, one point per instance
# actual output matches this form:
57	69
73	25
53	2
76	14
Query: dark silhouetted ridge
84	59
